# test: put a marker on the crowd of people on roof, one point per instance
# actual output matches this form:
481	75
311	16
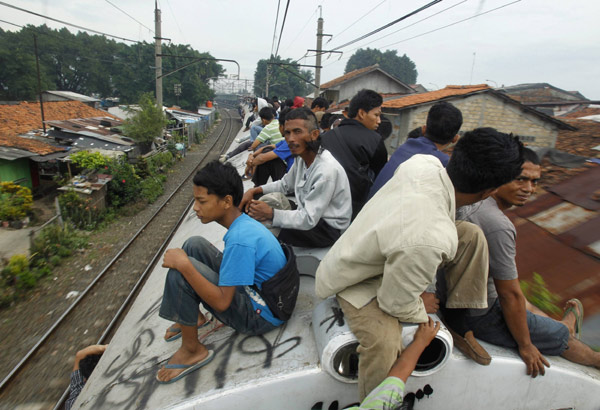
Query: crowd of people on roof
419	233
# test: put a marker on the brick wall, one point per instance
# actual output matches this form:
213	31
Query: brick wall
486	110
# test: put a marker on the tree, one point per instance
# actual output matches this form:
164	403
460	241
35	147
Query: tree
401	67
147	123
284	81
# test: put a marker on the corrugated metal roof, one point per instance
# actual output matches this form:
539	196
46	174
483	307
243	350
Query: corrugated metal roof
10	154
73	96
579	189
562	217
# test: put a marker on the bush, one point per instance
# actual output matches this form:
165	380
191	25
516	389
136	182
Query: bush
538	294
125	184
79	211
55	240
16	273
151	189
89	160
16	201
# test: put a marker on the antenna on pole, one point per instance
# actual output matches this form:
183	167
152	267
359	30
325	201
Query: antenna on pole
472	68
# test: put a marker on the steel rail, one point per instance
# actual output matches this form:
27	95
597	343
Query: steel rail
60	320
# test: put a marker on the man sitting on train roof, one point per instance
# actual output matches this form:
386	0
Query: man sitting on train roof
443	122
270	161
221	282
318	182
319	105
358	147
382	265
506	321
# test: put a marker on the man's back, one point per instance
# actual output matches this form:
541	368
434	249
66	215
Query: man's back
361	153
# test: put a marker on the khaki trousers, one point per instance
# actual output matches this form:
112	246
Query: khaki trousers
380	335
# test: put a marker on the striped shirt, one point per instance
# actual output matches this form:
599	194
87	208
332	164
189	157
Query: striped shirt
270	133
387	396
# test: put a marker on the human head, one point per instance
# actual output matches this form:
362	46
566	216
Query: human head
518	191
365	107
301	131
324	123
216	187
298	102
319	104
282	116
266	115
484	159
443	122
88	364
289	102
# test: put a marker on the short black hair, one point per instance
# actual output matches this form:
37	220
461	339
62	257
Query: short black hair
221	180
306	114
266	113
443	122
416	133
365	99
289	102
484	159
320	102
324	124
283	114
88	364
530	155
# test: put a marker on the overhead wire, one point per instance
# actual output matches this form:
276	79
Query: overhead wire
129	15
282	26
176	22
67	23
301	31
352	24
275	28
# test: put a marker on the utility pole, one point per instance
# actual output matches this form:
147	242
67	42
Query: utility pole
267	84
158	58
37	63
319	51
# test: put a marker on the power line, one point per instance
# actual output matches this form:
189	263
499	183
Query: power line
129	15
275	28
452	24
176	22
13	24
412	13
302	30
66	23
282	25
363	16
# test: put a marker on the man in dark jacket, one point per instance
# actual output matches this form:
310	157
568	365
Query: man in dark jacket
357	147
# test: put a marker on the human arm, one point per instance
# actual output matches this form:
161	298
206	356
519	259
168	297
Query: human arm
405	364
218	297
262	158
379	158
255	144
512	302
85	352
249	196
431	302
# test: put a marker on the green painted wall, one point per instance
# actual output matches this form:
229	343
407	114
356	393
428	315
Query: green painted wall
16	170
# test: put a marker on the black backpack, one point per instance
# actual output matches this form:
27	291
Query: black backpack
281	291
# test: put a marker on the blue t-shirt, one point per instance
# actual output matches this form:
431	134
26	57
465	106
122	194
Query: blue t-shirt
251	256
283	151
412	146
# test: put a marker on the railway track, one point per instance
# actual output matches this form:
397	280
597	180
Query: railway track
99	308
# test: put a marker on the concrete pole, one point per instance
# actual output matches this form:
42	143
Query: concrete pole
319	49
158	58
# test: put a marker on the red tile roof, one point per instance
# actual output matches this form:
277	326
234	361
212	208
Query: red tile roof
27	144
421	98
584	112
25	116
348	76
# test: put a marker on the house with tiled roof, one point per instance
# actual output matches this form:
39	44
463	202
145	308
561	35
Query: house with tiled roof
373	77
26	155
481	106
545	97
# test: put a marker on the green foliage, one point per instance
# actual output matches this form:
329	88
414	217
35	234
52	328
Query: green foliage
79	211
17	273
538	294
55	240
16	201
160	162
147	123
93	64
89	160
281	82
401	67
151	189
125	185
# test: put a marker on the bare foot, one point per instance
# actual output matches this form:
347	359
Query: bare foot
175	328
181	356
569	319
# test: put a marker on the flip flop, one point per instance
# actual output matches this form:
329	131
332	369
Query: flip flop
189	368
578	316
209	317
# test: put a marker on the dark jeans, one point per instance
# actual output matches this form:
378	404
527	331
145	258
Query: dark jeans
275	169
321	236
180	301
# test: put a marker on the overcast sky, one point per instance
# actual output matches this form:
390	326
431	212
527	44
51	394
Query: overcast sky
553	41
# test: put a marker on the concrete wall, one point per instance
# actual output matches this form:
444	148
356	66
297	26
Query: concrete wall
16	171
482	110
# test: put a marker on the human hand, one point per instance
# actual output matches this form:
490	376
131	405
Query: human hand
260	211
432	304
426	332
534	360
90	350
174	258
245	202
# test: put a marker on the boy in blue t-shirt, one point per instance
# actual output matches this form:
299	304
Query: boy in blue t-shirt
200	273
